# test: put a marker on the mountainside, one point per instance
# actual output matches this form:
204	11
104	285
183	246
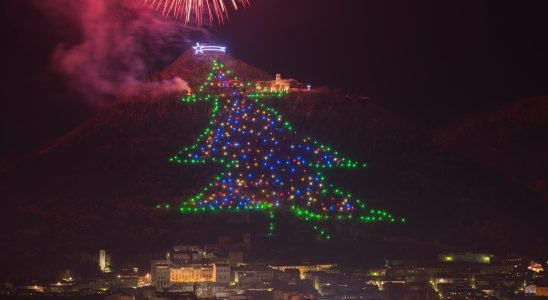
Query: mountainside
193	68
511	138
102	180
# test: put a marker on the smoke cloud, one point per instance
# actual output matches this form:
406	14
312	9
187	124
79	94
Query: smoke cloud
116	44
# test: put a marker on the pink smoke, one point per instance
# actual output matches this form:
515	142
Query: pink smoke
120	43
153	88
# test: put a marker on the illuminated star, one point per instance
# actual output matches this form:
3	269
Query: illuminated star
200	49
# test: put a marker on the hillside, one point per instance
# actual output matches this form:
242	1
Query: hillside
510	138
102	181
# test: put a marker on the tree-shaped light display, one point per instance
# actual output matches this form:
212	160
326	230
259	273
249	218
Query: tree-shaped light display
267	165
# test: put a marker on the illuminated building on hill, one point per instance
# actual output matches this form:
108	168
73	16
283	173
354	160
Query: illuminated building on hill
192	273
211	263
280	85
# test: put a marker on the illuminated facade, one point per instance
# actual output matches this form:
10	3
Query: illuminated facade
280	85
145	280
535	267
200	273
540	291
305	268
192	273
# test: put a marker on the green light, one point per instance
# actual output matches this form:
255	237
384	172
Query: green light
243	132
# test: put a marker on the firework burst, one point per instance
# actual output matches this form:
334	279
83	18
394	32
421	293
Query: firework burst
195	11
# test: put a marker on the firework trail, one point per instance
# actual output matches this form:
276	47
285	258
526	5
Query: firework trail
193	11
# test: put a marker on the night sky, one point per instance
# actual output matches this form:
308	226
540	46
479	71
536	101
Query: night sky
431	60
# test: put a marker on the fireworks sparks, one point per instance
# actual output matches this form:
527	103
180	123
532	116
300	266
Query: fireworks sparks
195	11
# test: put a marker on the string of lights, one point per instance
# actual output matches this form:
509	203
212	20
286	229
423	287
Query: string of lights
268	166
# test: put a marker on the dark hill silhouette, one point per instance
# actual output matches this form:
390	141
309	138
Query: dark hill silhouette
98	185
510	138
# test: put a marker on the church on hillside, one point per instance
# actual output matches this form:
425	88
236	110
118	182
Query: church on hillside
281	85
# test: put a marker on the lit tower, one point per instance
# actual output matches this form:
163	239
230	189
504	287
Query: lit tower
102	260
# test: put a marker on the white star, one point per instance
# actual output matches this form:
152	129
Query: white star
198	48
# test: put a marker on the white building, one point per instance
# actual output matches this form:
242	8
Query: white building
160	272
254	275
189	273
102	260
221	272
192	273
280	85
